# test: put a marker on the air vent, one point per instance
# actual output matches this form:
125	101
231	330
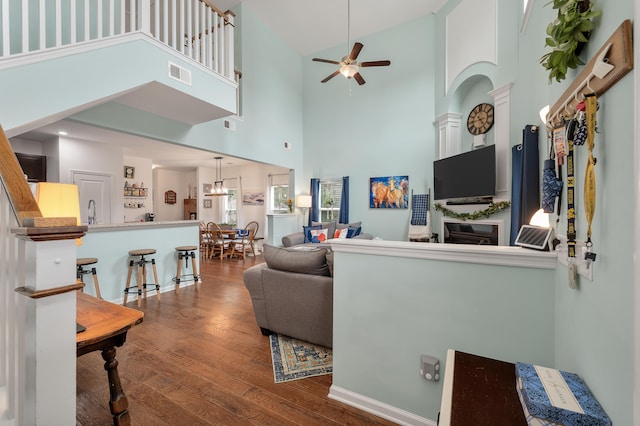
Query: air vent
179	73
534	237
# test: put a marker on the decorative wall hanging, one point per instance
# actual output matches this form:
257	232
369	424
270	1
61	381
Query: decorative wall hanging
390	192
129	172
253	198
170	197
206	203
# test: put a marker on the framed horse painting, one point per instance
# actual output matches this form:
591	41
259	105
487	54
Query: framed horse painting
389	192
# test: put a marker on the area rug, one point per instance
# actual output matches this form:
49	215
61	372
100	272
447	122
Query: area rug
294	359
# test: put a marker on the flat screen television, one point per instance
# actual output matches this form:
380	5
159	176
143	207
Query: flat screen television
470	175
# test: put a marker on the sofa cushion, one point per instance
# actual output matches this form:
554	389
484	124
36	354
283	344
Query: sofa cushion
303	260
307	232
329	226
341	233
346	225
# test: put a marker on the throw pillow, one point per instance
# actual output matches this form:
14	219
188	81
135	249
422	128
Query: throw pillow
311	261
319	235
353	232
307	232
330	226
341	233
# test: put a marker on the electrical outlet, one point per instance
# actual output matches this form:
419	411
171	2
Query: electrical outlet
430	368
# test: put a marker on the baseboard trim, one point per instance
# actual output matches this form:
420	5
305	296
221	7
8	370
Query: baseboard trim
378	408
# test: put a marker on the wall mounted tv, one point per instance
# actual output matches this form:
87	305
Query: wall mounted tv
470	175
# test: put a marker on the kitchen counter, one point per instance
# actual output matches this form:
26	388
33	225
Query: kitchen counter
141	225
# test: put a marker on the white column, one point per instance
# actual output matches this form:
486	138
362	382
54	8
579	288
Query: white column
50	338
449	134
144	16
501	101
229	49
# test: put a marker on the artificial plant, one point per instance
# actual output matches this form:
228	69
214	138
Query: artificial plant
566	36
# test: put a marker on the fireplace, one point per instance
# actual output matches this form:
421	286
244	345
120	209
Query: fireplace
476	232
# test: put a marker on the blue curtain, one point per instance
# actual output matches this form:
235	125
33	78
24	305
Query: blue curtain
314	211
525	180
344	201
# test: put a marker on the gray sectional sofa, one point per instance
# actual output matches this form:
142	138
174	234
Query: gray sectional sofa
298	238
292	293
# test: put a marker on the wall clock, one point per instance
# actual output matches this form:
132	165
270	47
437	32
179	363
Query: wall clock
480	119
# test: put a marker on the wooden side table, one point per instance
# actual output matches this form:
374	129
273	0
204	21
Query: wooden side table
479	391
106	328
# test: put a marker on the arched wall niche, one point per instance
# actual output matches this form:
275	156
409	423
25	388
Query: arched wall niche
453	138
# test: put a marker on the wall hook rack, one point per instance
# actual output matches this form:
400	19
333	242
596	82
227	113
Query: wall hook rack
612	62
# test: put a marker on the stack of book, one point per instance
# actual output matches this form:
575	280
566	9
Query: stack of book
551	397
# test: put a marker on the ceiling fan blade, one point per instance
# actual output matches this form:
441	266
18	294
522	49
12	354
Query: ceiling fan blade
359	78
357	47
375	64
328	61
330	76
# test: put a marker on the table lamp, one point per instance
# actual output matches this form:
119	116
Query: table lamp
304	202
59	200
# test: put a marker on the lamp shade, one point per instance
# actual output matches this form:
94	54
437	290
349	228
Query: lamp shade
303	201
59	200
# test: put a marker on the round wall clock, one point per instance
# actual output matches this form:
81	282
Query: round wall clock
480	119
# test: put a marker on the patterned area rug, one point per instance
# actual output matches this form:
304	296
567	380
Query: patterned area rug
294	359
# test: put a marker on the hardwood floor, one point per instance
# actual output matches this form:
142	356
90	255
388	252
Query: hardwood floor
199	359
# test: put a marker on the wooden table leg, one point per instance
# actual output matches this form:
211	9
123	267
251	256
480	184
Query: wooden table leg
118	402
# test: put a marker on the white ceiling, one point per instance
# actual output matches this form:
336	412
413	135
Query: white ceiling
308	26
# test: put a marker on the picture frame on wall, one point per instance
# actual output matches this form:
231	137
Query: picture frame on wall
206	203
129	172
389	192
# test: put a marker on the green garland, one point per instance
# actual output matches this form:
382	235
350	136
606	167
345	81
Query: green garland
493	208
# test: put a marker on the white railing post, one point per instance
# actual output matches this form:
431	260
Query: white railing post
229	31
144	16
49	337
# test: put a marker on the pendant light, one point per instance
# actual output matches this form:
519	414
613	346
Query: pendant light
218	186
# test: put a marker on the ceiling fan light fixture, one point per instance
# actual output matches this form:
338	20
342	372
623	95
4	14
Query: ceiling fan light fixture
349	70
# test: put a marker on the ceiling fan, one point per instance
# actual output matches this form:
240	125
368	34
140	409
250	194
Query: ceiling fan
349	65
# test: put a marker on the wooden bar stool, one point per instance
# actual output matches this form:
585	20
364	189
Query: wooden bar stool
186	252
80	272
141	266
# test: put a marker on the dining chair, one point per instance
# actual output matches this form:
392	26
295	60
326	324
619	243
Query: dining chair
243	243
205	240
219	243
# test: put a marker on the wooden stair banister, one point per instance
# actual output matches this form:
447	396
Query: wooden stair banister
22	201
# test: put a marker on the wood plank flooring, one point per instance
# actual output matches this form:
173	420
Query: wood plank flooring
199	359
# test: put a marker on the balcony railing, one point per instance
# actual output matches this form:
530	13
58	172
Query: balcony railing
195	28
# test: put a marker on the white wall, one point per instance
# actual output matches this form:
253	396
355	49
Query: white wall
171	180
143	179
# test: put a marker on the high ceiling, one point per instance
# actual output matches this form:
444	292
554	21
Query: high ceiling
309	26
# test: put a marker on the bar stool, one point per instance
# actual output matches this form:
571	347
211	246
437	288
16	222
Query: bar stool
186	252
80	272
141	266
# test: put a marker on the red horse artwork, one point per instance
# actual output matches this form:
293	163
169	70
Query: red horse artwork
390	192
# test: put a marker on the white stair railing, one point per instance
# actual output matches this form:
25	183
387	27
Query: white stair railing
195	28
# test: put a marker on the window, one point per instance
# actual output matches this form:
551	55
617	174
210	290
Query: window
279	196
230	203
330	195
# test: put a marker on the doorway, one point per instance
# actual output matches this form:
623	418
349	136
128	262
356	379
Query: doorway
95	197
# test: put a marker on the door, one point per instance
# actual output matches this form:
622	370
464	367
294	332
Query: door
95	197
